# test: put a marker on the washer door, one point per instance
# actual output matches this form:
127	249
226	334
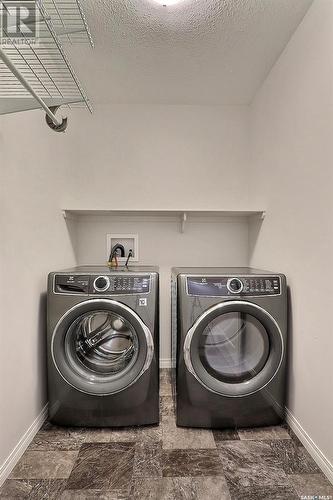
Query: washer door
234	349
101	347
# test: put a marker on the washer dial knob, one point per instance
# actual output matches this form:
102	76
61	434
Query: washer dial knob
101	284
235	285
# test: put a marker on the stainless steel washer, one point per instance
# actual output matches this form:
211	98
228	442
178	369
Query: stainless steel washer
103	346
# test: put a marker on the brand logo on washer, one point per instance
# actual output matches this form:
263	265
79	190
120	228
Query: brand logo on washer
142	302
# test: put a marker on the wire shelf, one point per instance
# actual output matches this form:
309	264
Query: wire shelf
41	60
68	20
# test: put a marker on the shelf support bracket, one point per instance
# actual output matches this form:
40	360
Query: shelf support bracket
11	66
183	222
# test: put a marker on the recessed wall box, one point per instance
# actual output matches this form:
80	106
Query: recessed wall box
129	242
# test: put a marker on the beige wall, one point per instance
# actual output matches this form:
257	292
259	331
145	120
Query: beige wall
292	176
33	240
136	157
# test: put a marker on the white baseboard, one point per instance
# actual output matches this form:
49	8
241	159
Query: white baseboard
10	462
325	465
165	363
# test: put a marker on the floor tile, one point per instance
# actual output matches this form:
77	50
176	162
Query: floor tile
103	466
165	488
244	468
194	462
96	435
181	488
165	382
185	438
32	489
60	439
167	406
45	465
260	493
292	458
311	485
113	494
16	488
264	433
47	489
147	459
212	488
149	433
225	435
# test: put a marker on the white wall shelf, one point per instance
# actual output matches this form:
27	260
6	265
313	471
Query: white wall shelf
183	216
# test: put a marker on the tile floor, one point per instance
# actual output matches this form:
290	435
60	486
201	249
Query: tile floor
165	462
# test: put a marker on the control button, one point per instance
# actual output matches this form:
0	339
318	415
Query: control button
235	285
102	283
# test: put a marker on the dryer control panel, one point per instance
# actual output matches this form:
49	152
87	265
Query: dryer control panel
226	286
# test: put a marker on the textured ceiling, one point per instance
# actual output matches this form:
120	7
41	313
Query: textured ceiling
193	52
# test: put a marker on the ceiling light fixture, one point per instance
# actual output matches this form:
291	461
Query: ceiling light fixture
167	3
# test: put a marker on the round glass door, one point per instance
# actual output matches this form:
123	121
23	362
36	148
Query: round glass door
101	346
102	342
235	348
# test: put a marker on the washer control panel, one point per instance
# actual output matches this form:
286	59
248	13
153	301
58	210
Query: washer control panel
120	285
224	286
75	284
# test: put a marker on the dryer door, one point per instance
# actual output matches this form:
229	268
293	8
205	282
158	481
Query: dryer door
101	347
234	349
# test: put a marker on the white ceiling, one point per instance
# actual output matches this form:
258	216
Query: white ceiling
194	52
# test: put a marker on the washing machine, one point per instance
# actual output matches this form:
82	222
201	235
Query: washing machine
103	346
229	346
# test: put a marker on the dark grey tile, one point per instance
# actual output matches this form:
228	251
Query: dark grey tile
311	485
292	458
167	406
192	462
48	489
244	467
185	438
262	451
16	488
212	488
113	494
44	465
166	488
57	439
264	433
262	493
293	436
103	466
225	435
181	488
147	459
33	489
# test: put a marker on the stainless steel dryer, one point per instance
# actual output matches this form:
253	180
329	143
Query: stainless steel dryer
103	346
229	346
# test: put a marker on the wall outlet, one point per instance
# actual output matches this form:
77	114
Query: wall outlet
129	242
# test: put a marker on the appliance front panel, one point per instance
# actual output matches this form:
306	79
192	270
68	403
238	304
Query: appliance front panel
226	286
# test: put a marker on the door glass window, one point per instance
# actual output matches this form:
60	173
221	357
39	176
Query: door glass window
234	347
102	342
